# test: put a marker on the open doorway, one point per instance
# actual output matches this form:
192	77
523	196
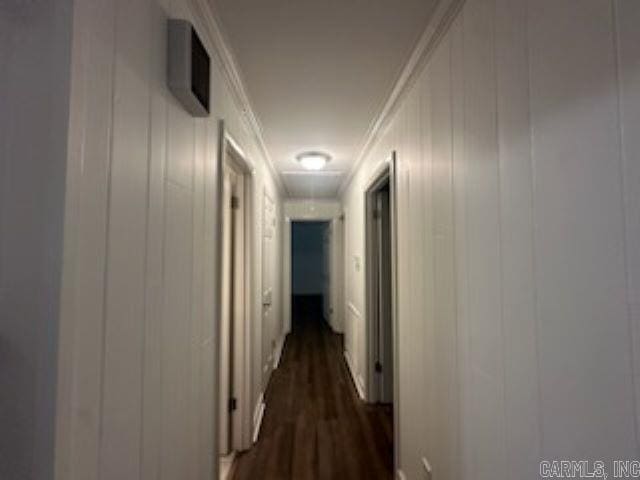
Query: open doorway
380	271
310	256
235	302
380	268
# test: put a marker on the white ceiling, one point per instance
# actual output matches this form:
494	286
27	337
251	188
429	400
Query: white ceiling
317	72
312	184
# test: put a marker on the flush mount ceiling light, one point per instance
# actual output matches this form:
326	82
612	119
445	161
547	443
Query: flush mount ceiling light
313	160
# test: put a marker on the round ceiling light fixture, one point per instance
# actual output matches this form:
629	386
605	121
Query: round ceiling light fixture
313	160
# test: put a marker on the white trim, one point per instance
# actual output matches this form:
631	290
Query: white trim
337	280
246	163
258	415
226	465
308	218
286	275
444	13
357	380
383	172
357	316
278	353
286	260
241	425
387	169
332	326
400	475
222	53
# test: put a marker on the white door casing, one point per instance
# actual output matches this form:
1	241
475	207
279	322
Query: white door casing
337	274
225	319
240	323
233	318
268	284
234	287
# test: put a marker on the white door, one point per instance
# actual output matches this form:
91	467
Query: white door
269	327
232	322
239	325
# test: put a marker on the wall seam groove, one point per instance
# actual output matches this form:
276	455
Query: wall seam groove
423	107
203	306
454	260
145	312
534	230
467	373
466	369
499	172
84	52
165	183
623	201
105	285
193	384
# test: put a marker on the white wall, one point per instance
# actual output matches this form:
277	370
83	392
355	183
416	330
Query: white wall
312	209
138	355
35	53
519	272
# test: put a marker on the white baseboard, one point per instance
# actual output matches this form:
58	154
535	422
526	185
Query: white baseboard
335	327
226	465
332	325
278	353
356	379
258	415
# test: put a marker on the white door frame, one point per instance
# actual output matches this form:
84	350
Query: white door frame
230	151
337	274
268	277
385	172
286	261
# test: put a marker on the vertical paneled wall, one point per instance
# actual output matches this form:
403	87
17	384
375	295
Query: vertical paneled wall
518	233
138	358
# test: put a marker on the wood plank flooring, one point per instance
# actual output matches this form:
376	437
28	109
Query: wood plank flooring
315	425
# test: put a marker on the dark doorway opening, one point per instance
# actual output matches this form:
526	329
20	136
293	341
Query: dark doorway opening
310	258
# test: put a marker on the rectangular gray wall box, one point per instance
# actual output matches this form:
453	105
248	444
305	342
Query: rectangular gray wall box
182	46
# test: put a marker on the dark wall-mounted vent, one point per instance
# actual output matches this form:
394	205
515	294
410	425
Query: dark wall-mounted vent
189	68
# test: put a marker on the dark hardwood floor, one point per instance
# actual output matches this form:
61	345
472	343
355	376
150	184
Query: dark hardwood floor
315	426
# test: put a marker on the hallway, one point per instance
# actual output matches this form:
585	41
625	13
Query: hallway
315	426
468	176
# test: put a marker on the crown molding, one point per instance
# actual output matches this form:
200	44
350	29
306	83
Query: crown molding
231	72
443	15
